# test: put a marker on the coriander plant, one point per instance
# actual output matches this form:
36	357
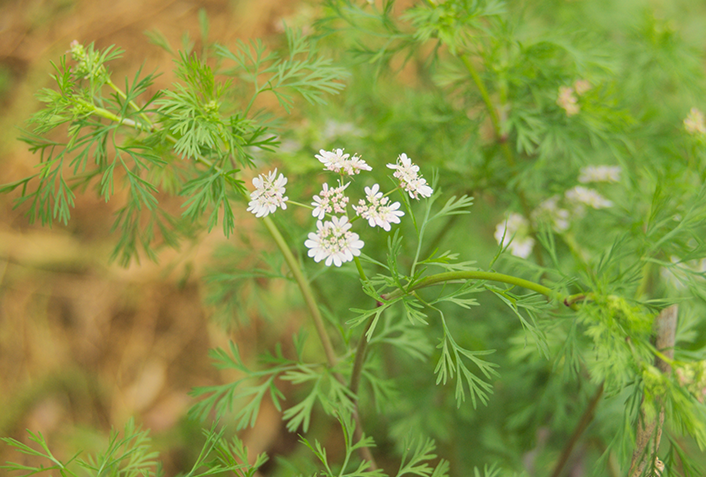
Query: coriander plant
556	330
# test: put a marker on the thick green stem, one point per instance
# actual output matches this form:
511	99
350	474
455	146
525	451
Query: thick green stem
448	277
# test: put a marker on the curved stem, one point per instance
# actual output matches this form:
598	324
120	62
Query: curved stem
480	275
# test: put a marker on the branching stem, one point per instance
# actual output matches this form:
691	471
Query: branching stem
448	277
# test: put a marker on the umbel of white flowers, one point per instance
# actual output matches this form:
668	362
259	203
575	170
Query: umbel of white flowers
333	240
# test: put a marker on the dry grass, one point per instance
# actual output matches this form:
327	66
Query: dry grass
85	344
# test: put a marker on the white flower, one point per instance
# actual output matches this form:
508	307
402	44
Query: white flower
567	100
334	242
694	122
600	174
268	194
407	173
341	163
513	234
378	211
330	201
550	211
590	197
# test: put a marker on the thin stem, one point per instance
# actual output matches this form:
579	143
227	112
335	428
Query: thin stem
271	227
131	103
293	264
304	288
504	145
104	113
585	420
448	277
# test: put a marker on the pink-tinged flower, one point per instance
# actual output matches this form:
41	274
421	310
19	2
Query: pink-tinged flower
408	174
378	210
268	194
567	100
694	122
337	161
330	201
334	242
581	86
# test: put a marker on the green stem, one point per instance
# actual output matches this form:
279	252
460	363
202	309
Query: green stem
131	103
104	113
305	289
271	227
292	262
448	277
504	145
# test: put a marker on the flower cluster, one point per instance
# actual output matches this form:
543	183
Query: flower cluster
692	376
268	194
567	100
514	234
407	173
378	210
336	161
694	122
557	211
550	212
88	61
584	196
600	174
330	201
333	240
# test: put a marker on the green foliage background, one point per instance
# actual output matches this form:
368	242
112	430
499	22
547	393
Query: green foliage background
498	380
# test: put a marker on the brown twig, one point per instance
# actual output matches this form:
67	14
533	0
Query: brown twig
586	419
649	430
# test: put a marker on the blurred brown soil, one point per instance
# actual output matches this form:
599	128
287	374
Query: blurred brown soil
85	344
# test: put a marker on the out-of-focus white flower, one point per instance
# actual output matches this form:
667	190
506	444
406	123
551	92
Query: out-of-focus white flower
589	197
581	86
549	211
408	174
268	194
330	201
341	163
694	122
378	210
567	100
514	234
600	174
334	242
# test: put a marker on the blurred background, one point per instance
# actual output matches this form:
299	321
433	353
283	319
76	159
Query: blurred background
85	344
